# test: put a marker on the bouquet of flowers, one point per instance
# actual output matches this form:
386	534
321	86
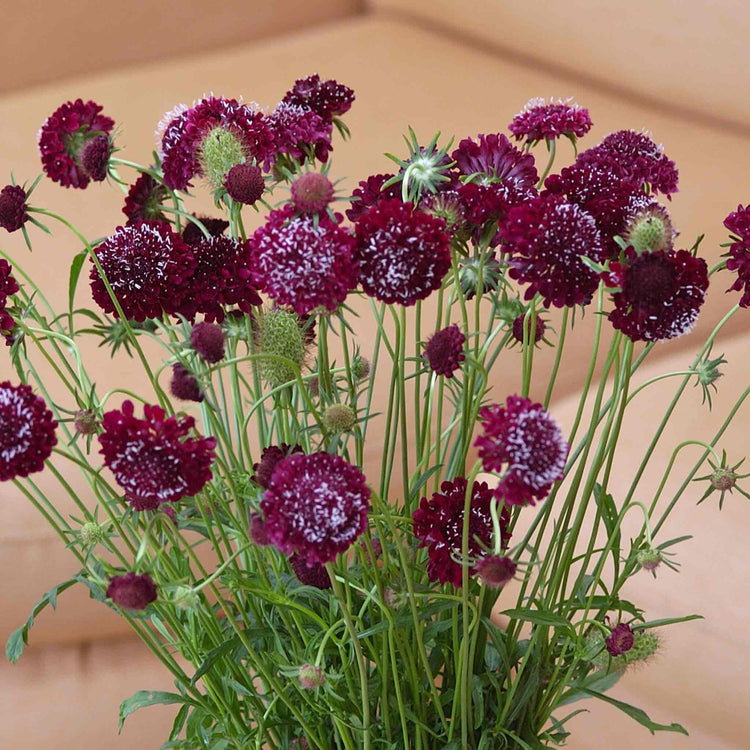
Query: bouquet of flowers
312	513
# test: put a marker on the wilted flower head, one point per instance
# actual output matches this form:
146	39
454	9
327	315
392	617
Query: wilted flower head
279	336
66	136
311	677
522	441
27	431
722	479
620	640
339	418
439	525
316	505
540	120
650	228
153	459
85	422
518	328
132	591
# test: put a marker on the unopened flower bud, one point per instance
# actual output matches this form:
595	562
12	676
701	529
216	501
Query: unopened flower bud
312	192
207	339
361	368
91	533
311	677
339	418
245	184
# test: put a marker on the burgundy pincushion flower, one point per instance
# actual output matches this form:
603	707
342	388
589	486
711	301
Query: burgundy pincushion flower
496	157
539	120
634	156
153	459
303	263
269	458
315	504
547	239
403	254
620	640
313	574
369	192
192	233
132	591
207	339
148	267
328	99
236	132
518	325
495	571
27	431
13	208
221	278
524	440
143	202
296	129
258	530
245	184
312	192
64	135
482	203
439	525
660	293
184	385
8	286
94	157
738	223
445	350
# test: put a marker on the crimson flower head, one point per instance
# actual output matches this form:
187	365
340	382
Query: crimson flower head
495	571
153	459
445	350
522	441
269	458
328	99
74	143
207	339
660	293
193	234
403	254
312	192
620	640
143	201
313	574
369	192
548	239
13	208
245	184
209	138
149	268
540	120
8	286
495	157
132	591
184	384
315	505
439	525
297	129
738	223
27	431
303	262
221	279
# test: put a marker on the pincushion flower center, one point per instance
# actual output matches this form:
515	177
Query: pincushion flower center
650	281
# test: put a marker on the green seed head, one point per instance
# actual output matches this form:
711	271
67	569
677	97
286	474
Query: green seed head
279	334
219	151
645	645
339	418
649	558
91	533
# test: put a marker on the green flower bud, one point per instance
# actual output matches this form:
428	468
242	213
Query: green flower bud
649	559
278	333
185	597
339	418
361	368
311	677
91	533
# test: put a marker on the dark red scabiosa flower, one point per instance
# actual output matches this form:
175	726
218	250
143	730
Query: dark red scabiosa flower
303	263
547	239
540	120
207	339
313	574
297	130
8	286
193	234
209	138
132	591
258	530
13	208
269	458
316	505
620	640
245	184
312	192
634	156
153	459
660	293
328	99
370	192
27	431
738	223
497	158
439	525
148	267
524	444
143	201
403	254
495	571
445	350
221	278
94	157
184	385
518	325
66	135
